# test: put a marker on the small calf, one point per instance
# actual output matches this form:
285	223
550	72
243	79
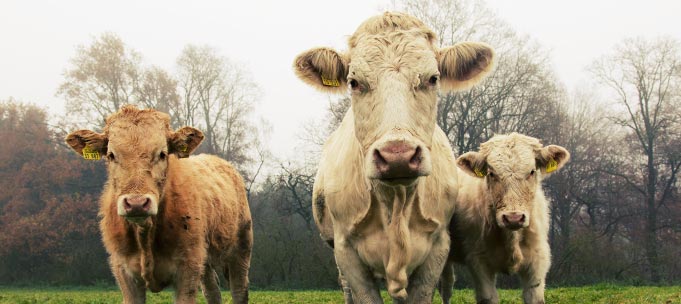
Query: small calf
502	220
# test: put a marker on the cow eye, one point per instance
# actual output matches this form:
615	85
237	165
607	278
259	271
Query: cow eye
531	174
111	156
491	174
433	80
162	155
354	84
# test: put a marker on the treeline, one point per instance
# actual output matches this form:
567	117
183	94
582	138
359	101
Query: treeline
615	207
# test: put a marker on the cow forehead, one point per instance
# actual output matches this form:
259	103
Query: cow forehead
511	154
137	135
405	51
509	161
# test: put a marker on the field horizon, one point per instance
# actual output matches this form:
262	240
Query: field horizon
601	293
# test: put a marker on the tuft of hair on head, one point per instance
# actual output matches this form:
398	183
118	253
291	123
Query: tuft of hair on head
390	22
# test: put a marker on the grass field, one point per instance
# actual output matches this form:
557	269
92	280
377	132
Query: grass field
593	294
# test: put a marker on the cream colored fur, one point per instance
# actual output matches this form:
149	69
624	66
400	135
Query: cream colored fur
479	240
378	230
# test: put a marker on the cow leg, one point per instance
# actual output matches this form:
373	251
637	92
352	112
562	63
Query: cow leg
237	271
484	281
347	292
533	287
210	286
238	265
187	282
357	275
133	289
446	283
533	277
423	280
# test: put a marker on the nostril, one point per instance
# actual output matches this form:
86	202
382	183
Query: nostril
415	160
380	161
146	204
378	157
522	218
126	204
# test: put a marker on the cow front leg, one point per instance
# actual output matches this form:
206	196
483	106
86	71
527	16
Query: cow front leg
357	275
533	278
423	280
484	281
132	287
347	292
446	283
187	282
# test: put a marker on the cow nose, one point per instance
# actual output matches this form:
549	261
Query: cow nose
398	160
514	220
136	205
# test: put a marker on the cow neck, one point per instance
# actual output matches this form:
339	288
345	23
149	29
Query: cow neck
398	202
144	237
512	246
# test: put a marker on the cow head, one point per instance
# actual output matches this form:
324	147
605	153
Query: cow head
394	72
136	145
512	167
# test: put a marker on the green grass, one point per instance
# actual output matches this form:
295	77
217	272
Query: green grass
593	294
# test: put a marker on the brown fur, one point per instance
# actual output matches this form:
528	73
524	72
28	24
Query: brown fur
203	223
514	165
378	229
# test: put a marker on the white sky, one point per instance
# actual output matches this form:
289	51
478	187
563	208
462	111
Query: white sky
37	38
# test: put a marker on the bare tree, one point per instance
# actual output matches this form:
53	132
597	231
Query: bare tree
217	96
158	90
103	77
645	77
518	96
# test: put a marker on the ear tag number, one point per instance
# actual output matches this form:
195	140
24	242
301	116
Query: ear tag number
330	82
480	172
551	166
90	154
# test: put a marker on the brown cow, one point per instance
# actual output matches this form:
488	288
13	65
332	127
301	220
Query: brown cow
501	221
386	183
168	219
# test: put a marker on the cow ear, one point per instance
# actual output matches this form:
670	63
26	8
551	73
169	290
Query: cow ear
464	64
551	158
184	141
473	163
89	144
323	68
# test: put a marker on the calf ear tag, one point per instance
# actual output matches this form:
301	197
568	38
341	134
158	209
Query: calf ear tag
183	148
90	154
551	166
330	82
480	172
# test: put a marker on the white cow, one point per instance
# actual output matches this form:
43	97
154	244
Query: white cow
386	184
501	222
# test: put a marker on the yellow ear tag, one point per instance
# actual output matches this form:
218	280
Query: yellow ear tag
183	148
90	154
480	172
330	82
551	166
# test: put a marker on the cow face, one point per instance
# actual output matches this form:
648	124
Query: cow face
136	145
512	167
393	72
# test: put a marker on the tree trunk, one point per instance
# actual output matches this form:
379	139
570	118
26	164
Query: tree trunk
651	219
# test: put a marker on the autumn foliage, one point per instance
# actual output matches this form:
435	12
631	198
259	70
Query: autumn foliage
48	203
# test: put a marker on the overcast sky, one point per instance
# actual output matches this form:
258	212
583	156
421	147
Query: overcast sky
37	38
